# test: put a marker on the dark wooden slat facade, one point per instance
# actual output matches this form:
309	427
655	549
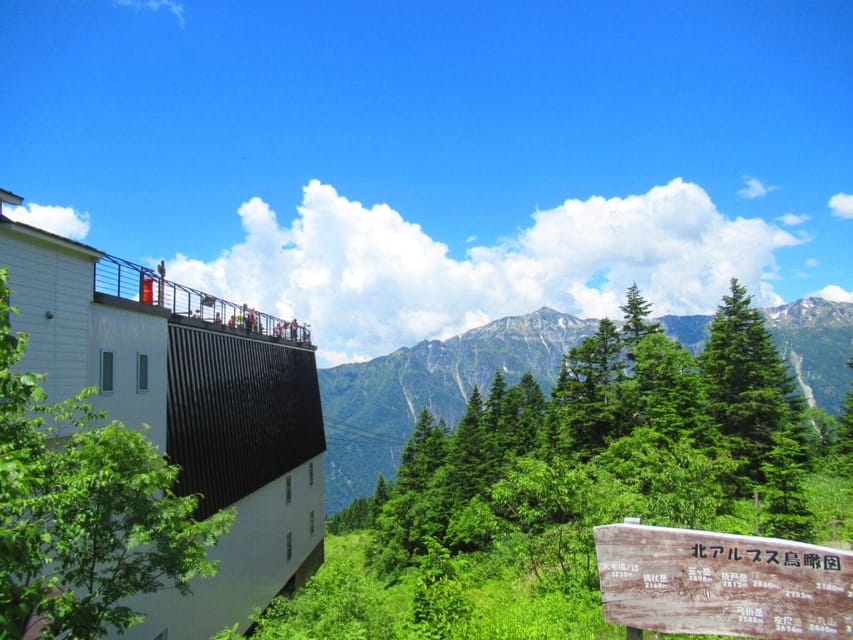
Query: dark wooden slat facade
241	412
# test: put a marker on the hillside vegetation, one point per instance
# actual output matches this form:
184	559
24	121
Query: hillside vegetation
487	530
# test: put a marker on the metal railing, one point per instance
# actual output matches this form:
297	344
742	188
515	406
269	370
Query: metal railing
118	277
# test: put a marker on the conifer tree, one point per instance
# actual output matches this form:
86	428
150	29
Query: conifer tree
590	415
425	452
786	508
751	394
522	417
470	454
669	394
636	311
844	447
549	436
494	404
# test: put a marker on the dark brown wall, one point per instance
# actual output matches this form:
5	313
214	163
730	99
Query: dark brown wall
242	411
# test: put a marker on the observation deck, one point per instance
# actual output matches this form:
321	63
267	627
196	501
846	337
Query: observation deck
124	280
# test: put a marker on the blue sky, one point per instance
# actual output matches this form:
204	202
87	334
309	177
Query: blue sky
400	171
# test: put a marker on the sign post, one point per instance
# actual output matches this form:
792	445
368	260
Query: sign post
702	582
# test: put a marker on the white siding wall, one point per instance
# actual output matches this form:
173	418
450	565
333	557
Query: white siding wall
254	565
128	333
47	276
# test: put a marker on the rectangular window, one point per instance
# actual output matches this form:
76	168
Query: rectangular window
141	372
311	522
310	474
288	490
289	545
107	372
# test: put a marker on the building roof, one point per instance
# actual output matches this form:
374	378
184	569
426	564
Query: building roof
51	238
10	198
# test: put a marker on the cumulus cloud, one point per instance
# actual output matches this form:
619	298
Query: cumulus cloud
754	188
63	221
176	8
370	281
842	205
792	219
834	293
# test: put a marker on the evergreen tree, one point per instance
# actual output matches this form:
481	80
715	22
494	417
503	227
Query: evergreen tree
380	497
418	506
522	417
636	311
785	505
470	454
494	403
669	396
590	414
844	446
549	436
751	394
425	452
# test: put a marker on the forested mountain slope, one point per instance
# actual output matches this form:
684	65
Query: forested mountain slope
371	408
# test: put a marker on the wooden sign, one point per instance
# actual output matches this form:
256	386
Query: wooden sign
701	582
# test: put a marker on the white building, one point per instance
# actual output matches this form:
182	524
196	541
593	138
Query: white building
239	410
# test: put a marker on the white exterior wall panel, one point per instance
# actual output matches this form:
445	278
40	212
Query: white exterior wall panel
253	561
50	277
127	333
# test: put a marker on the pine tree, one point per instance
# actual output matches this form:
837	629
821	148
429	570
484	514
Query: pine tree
751	394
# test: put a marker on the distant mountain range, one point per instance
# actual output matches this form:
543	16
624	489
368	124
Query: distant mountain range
370	408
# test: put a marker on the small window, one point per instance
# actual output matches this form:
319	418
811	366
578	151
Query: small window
311	522
310	474
141	372
289	545
288	490
107	372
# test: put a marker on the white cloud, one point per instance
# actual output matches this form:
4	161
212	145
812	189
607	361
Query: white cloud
812	263
792	219
842	205
754	188
834	293
63	221
176	8
370	282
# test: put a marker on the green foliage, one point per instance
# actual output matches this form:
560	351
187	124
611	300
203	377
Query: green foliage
474	527
751	393
590	408
340	601
786	513
88	523
439	606
674	440
844	445
637	310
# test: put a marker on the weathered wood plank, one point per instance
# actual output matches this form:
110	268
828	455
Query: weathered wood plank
702	582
